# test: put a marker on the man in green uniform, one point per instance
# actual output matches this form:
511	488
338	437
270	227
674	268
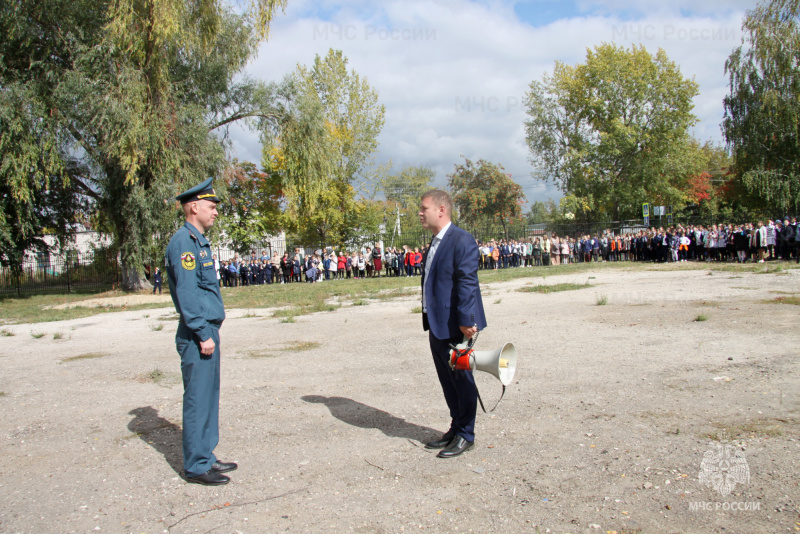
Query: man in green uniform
195	292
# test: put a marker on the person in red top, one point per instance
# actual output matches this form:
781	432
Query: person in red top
417	261
341	264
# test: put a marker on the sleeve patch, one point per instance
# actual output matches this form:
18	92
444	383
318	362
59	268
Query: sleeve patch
187	261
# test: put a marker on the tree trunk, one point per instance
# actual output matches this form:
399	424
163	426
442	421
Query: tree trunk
131	279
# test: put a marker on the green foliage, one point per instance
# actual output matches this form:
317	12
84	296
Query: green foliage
407	187
116	102
251	208
762	119
613	131
322	149
483	192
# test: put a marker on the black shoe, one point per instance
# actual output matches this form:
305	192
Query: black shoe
224	467
458	446
209	478
441	443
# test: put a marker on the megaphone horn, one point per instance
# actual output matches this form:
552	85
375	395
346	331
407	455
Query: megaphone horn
502	363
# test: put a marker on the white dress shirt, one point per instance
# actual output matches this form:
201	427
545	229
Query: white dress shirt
429	258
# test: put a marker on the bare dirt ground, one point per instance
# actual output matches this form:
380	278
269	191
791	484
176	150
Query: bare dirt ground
604	428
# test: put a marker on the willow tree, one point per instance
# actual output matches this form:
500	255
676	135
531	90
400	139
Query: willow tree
614	131
124	97
762	119
323	150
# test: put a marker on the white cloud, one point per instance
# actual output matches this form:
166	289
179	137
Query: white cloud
452	74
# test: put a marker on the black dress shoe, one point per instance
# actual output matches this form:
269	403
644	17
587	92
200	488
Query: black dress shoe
441	443
458	446
224	467
209	478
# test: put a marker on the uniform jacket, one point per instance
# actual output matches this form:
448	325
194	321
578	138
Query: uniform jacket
452	293
193	282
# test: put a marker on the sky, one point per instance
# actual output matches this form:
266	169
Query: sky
452	74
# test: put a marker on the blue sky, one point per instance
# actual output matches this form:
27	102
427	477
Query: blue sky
452	74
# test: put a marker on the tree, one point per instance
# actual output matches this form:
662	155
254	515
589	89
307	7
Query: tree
406	187
613	131
483	192
762	120
251	211
322	149
403	192
123	98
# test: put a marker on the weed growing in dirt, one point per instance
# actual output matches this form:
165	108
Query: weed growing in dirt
156	375
416	309
498	301
601	300
37	335
288	319
700	318
249	315
87	356
58	335
300	346
6	333
360	302
156	327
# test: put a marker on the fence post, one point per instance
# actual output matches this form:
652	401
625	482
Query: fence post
69	285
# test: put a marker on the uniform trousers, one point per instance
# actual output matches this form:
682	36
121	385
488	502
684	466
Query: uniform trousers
201	378
458	387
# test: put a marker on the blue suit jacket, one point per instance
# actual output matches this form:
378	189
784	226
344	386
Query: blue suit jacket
452	293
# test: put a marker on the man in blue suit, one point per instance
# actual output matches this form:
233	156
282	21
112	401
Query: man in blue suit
452	309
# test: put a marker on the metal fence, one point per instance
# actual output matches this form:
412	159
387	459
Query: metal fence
68	273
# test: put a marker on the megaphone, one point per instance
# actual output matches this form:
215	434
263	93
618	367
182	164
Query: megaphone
502	363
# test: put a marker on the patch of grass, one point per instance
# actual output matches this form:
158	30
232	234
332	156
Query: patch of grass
361	302
6	333
783	300
156	327
601	300
249	315
700	318
259	354
554	288
87	356
58	335
300	346
39	308
288	319
760	427
498	301
37	335
416	309
2	393
170	317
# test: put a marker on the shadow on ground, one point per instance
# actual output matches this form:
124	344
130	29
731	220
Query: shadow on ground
161	434
363	416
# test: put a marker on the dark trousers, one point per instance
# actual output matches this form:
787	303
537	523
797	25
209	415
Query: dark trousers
200	401
458	387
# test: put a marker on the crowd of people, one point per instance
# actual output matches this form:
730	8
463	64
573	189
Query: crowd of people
369	262
749	242
757	242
